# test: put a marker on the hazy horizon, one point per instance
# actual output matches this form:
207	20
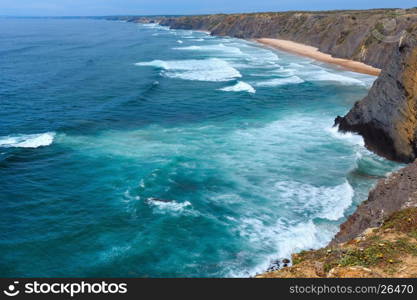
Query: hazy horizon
92	8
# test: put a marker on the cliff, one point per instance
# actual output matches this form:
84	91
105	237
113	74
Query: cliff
378	240
356	35
387	117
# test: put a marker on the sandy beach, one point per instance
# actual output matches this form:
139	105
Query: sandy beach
314	53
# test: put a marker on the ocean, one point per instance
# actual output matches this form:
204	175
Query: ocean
133	150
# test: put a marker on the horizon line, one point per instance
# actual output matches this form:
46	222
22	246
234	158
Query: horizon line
196	14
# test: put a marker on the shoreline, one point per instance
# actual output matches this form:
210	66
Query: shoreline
314	53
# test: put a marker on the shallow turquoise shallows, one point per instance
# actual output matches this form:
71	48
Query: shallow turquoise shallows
131	150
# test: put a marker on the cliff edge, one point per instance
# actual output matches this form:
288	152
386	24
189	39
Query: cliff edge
356	35
387	116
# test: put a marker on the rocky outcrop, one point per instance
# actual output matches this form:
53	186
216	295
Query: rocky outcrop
387	117
397	192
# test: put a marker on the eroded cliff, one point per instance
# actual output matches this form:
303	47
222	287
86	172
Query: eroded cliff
356	35
387	117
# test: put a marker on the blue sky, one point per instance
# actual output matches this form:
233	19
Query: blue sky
145	7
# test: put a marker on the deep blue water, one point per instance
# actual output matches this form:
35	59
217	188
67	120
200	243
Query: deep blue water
100	121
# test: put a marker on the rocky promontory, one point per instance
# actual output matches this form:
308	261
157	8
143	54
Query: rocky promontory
387	117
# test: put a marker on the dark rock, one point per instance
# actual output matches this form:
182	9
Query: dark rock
274	266
387	117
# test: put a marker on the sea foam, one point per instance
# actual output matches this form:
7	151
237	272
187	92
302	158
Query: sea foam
280	81
349	137
28	140
212	69
219	48
320	201
332	77
285	238
239	87
170	206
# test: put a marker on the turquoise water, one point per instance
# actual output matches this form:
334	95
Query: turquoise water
135	150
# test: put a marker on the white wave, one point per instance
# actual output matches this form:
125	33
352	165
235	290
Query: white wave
323	202
261	57
151	25
155	63
169	206
212	69
284	238
309	71
188	48
213	48
280	81
28	140
239	87
332	77
179	42
283	71
155	26
349	137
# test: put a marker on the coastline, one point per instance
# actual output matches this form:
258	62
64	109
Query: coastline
323	264
314	53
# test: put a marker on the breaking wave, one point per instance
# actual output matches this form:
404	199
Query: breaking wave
211	69
280	81
28	140
239	87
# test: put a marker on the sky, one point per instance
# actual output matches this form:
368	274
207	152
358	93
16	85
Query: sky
180	7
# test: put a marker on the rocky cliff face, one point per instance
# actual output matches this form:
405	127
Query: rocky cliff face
357	35
387	117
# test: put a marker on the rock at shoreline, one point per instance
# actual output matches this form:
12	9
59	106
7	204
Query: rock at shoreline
387	117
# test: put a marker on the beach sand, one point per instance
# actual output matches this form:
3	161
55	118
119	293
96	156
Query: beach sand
314	53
